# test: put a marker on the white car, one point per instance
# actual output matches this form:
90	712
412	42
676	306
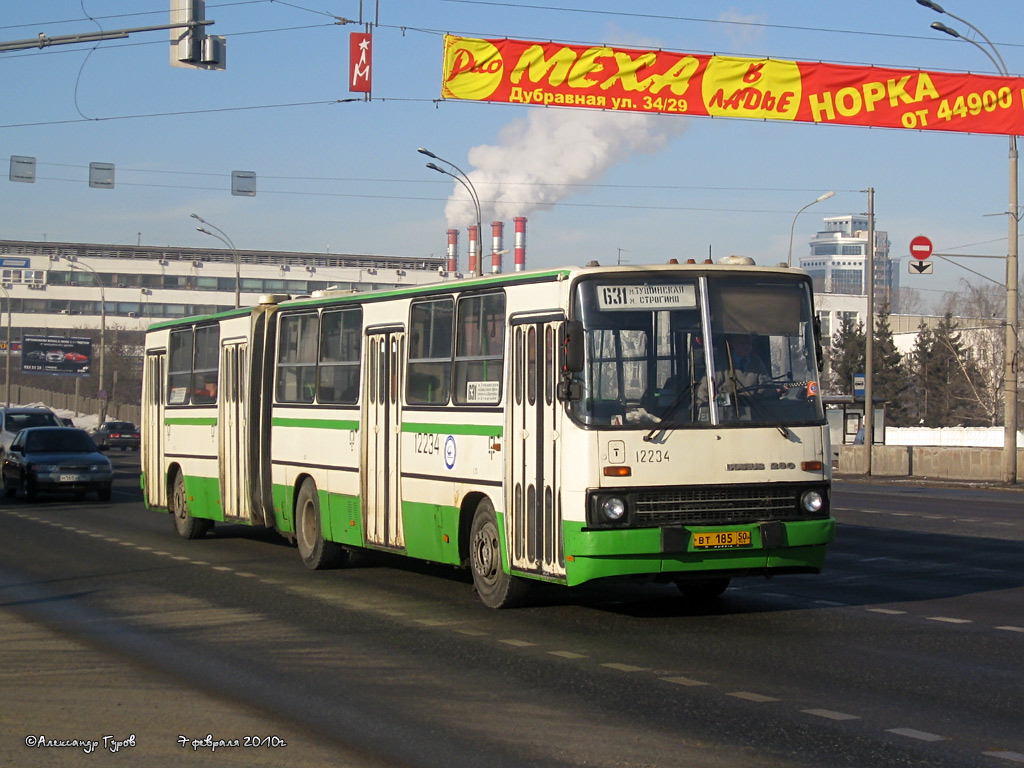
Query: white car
13	420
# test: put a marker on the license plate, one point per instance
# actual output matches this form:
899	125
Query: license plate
720	539
72	478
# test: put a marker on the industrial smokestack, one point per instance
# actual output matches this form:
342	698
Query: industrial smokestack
453	251
474	250
497	231
520	253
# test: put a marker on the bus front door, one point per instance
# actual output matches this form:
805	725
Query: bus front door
380	483
234	469
152	457
533	514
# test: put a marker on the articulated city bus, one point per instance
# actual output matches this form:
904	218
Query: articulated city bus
564	426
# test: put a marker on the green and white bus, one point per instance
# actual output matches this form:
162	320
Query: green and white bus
564	426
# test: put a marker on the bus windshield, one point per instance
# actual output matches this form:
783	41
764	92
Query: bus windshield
699	350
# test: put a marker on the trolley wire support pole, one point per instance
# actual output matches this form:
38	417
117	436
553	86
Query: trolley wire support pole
869	338
1011	351
101	391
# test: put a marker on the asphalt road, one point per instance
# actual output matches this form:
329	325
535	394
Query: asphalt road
907	651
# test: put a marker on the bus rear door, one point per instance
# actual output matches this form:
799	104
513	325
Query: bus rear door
154	376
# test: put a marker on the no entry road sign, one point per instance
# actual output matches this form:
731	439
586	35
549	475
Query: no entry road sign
920	247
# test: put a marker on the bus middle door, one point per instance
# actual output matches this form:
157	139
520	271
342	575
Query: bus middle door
381	466
533	512
233	431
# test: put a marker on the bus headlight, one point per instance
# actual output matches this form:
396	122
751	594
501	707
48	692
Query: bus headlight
613	509
811	501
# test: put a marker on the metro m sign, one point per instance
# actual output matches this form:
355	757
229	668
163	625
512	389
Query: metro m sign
360	56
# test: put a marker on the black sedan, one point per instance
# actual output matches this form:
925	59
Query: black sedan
117	434
56	460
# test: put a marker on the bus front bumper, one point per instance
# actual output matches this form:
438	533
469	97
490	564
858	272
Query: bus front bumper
757	548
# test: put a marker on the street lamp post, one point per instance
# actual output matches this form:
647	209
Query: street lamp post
463	179
7	375
220	235
1010	352
826	196
101	392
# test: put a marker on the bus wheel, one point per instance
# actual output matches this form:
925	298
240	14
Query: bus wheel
188	527
703	589
315	551
495	588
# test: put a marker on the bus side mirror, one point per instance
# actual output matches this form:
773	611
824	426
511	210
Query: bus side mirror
818	353
572	346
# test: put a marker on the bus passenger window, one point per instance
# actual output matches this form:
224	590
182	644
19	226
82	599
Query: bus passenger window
479	349
340	350
297	358
430	352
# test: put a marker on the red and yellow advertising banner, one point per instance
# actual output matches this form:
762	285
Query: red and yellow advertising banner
553	74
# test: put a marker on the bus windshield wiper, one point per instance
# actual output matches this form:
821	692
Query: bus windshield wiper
665	422
757	405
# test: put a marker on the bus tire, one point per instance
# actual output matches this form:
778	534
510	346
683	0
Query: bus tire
703	589
495	588
316	552
188	527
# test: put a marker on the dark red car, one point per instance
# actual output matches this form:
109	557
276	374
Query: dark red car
117	434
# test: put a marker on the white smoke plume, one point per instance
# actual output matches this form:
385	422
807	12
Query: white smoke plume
543	158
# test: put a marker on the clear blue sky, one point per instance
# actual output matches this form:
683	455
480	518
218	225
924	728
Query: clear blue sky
346	177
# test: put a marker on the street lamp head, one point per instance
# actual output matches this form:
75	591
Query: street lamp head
435	167
826	196
929	4
940	27
428	153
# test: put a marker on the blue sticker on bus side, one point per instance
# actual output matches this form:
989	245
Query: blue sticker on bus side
449	452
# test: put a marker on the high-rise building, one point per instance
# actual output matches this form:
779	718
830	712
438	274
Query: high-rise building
838	261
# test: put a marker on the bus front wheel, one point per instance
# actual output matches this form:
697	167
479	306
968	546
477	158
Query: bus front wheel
188	527
316	552
496	588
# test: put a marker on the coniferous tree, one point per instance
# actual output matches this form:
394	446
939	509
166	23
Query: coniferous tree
946	379
890	377
846	356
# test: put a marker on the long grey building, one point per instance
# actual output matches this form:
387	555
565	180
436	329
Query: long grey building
55	288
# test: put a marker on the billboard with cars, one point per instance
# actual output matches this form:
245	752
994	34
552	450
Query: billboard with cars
56	354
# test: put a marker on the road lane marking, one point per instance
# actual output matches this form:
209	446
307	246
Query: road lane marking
568	654
1012	629
1013	757
684	681
759	698
830	714
949	620
517	643
911	733
887	611
624	667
